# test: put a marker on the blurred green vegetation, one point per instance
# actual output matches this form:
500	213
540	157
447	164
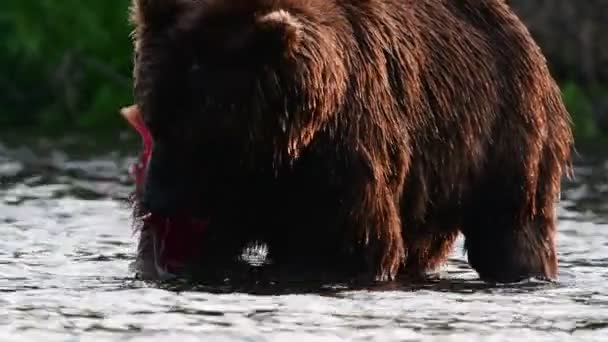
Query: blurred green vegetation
66	66
581	106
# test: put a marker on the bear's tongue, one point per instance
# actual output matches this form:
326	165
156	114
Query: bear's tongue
176	239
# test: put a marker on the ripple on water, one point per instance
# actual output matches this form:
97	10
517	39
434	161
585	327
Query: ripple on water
67	246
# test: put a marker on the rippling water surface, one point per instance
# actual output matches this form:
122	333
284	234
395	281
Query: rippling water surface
66	247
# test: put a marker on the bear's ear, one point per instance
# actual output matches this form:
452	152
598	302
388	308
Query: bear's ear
278	30
152	13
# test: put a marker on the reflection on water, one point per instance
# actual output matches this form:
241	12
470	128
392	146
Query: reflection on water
67	246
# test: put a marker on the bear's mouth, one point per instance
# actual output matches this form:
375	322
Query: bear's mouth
175	241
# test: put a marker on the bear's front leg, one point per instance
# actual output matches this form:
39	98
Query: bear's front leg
338	221
354	236
374	223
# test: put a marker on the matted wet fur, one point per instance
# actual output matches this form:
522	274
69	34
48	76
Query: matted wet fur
355	136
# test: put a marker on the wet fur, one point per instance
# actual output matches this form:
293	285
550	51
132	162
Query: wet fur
377	132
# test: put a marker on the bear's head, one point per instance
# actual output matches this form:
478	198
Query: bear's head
245	73
231	78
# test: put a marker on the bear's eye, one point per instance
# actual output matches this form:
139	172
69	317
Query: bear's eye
196	75
195	67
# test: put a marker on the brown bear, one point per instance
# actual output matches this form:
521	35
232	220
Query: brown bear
353	137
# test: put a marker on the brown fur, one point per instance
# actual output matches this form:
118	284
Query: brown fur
360	135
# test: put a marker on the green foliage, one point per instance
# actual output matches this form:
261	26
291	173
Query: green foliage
580	103
64	63
579	106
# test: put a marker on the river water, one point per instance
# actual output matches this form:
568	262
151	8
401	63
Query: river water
67	245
